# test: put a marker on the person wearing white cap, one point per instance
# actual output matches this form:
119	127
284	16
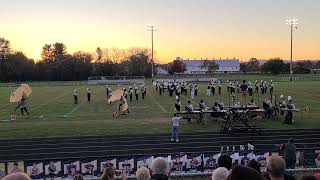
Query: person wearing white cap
271	85
250	89
282	104
289	115
257	86
130	93
75	96
88	94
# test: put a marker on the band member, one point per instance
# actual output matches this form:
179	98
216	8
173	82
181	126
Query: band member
75	96
88	94
142	91
160	89
157	84
177	106
238	87
213	89
171	90
219	87
215	107
208	90
261	87
22	104
271	87
202	105
125	93
196	90
244	89
252	103
289	114
109	92
257	86
136	92
282	104
178	92
221	104
189	107
130	93
192	93
228	86
250	89
265	86
267	106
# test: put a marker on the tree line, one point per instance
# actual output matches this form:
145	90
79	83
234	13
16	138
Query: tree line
57	64
278	66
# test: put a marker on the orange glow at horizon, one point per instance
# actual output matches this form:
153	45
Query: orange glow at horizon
189	29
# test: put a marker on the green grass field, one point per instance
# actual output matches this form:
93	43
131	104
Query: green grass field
54	114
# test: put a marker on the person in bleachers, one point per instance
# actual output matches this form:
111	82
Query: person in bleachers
194	164
317	160
16	168
108	174
143	173
189	107
78	177
289	154
52	169
276	168
225	161
17	176
220	173
244	173
71	170
202	105
160	169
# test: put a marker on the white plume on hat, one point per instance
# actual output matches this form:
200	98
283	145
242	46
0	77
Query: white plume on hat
281	96
289	98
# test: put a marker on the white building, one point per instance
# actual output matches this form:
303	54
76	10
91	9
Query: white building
161	71
226	65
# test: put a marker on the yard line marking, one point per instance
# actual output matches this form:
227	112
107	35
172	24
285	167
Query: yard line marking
157	103
74	109
56	98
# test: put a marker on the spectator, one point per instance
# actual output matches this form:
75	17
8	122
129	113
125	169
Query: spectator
289	154
317	160
244	173
220	173
308	177
108	174
78	177
254	165
276	168
17	176
160	169
317	176
225	161
143	173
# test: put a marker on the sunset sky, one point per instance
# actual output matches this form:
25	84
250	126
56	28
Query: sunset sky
185	28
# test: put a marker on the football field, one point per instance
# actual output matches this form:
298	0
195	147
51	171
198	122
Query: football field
53	113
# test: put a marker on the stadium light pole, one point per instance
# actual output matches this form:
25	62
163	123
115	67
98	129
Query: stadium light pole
152	28
293	23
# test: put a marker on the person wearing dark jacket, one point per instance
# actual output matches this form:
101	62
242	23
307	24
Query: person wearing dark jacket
289	154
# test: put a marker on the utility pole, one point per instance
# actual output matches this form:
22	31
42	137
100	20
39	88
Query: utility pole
152	28
293	23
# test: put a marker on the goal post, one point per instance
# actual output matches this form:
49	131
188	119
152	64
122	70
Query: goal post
114	80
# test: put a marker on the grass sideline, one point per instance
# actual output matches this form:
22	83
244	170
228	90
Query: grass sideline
54	114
